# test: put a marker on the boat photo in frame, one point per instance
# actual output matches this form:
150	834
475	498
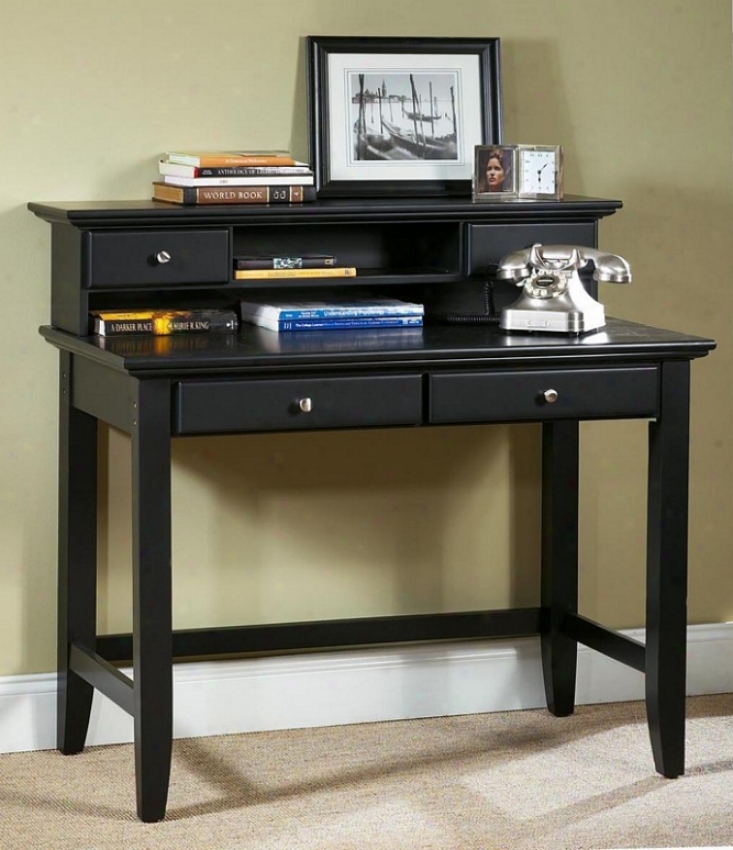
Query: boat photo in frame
400	116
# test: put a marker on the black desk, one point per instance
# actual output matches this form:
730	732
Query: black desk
156	389
139	253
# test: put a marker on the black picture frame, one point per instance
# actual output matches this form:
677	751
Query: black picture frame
354	155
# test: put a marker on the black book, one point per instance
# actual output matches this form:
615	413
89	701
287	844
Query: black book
306	261
162	322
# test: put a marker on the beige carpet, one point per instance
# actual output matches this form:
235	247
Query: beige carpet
521	779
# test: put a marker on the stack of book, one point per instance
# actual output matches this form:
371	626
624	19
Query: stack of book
335	314
233	177
162	322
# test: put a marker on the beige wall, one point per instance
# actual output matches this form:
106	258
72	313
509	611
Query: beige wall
277	528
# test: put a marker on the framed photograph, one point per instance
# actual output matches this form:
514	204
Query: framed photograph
518	173
400	116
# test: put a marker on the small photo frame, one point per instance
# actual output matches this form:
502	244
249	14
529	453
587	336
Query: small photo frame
494	173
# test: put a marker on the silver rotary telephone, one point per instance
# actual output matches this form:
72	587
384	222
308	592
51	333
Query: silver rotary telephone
553	297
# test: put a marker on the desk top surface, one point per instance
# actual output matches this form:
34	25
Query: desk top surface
440	345
113	214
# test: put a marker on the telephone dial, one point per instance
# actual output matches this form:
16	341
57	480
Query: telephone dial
553	297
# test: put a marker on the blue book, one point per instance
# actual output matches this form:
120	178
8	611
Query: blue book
331	324
335	308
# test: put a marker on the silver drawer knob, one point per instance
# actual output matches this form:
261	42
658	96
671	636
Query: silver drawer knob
163	257
305	405
550	396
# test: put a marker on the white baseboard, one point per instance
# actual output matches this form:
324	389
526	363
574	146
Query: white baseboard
357	686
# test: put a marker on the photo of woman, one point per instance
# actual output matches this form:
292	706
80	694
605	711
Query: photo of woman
493	170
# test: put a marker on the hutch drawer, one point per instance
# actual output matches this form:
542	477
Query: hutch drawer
229	406
157	258
488	243
551	394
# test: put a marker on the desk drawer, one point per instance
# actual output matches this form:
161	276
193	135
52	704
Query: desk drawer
518	396
120	259
216	407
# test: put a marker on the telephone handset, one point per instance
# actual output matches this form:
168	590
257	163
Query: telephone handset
553	297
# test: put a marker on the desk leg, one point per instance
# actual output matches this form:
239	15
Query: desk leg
666	613
77	561
559	594
152	623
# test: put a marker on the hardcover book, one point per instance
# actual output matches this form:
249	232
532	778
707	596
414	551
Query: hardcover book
216	159
366	339
307	261
283	274
163	322
174	169
334	308
270	180
262	180
333	323
233	194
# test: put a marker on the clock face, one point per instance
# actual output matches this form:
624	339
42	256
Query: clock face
538	172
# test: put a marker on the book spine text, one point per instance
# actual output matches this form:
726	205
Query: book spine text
192	321
265	180
338	324
233	194
284	262
175	169
341	313
281	274
229	160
